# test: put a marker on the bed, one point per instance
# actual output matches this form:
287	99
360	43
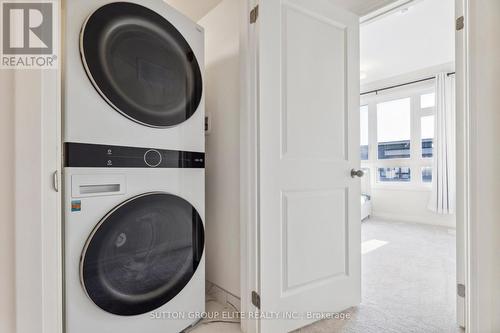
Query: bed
366	199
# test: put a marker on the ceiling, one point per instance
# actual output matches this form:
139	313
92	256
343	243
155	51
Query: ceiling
362	7
408	41
194	9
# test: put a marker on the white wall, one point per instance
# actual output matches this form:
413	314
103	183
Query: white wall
397	44
408	206
194	9
485	159
222	88
7	232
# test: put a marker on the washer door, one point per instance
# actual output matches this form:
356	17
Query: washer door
142	254
141	64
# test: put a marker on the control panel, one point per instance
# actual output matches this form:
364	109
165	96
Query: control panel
81	155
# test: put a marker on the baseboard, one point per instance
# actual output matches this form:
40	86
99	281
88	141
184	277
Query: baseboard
413	219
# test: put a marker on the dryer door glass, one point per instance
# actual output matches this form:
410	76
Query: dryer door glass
142	254
141	64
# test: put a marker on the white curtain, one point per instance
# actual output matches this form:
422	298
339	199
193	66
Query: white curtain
443	176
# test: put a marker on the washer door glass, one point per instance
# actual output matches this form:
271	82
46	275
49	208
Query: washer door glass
142	254
141	64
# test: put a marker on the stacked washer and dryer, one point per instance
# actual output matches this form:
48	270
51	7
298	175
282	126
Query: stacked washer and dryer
134	168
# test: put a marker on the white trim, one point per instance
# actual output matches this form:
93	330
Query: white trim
38	234
463	219
249	170
471	322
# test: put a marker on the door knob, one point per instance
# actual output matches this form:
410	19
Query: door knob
357	173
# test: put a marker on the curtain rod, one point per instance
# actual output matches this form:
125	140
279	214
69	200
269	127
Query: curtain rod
376	91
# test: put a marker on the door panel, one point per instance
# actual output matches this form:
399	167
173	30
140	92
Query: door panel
309	141
319	238
305	77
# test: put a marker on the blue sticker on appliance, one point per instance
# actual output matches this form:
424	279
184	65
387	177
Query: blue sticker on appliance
76	205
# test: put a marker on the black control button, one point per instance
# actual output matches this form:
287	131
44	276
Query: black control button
152	158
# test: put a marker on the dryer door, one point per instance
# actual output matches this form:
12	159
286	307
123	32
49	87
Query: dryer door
141	64
142	254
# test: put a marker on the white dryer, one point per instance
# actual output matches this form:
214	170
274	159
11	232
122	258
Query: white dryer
134	240
133	75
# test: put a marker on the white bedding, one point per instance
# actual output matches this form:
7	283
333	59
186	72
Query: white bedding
366	202
366	206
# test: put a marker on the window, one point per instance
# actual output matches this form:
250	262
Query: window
394	129
427	175
364	132
427	135
427	100
394	174
398	136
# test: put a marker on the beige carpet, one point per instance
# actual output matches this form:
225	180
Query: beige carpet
408	282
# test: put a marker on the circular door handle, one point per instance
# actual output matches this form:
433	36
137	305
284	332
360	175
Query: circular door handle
357	173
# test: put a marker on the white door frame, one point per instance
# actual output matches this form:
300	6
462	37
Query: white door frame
249	172
463	141
38	228
38	234
249	177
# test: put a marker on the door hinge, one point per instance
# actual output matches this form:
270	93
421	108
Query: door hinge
256	299
55	181
459	23
254	14
461	290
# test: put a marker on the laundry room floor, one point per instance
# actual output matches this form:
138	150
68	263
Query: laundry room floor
218	323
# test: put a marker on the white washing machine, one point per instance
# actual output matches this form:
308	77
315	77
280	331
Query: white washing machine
134	240
133	75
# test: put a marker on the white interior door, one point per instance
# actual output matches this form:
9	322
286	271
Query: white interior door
309	204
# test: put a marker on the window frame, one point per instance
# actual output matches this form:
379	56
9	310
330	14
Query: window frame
416	162
369	138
